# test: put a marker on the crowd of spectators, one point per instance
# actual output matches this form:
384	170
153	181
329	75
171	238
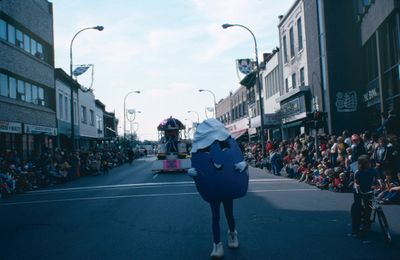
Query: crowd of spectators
330	163
54	167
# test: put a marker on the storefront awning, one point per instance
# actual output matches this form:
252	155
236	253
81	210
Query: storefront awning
239	133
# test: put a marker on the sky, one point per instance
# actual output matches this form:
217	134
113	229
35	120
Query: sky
167	50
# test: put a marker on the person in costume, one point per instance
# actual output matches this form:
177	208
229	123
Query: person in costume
220	174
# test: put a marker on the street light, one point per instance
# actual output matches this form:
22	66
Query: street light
225	26
134	91
215	101
99	28
198	118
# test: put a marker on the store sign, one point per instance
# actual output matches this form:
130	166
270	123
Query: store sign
371	94
10	127
36	130
346	101
290	108
239	125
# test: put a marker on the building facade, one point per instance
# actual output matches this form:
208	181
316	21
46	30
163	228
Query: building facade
271	76
64	83
379	33
232	111
87	120
27	91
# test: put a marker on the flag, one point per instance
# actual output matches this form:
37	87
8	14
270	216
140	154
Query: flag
80	70
245	66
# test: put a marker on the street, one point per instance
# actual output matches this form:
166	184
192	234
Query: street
132	213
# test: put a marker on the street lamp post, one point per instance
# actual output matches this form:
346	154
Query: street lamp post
225	26
215	101
99	28
198	117
134	91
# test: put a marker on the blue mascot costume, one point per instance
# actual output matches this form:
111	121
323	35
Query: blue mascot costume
220	174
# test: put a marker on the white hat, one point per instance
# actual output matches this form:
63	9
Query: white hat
207	132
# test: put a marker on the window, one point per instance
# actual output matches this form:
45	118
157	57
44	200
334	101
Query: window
302	83
60	106
299	34
21	90
285	59
3	29
33	47
291	39
287	85
84	115
75	113
27	43
34	95
19	38
66	107
11	34
91	117
99	123
39	53
28	92
13	87
4	85
293	80
41	96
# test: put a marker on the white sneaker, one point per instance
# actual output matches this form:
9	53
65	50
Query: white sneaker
233	241
218	250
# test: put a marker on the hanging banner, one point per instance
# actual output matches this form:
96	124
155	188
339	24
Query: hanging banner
245	66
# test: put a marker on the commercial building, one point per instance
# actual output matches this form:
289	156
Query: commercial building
271	77
64	83
379	23
27	92
321	66
233	112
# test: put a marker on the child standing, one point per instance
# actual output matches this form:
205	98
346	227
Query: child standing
364	179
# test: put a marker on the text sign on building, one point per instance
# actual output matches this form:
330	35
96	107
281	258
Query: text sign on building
10	127
346	101
36	129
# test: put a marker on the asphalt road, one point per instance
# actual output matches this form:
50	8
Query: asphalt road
132	213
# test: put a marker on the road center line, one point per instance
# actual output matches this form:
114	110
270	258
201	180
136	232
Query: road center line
139	196
147	184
